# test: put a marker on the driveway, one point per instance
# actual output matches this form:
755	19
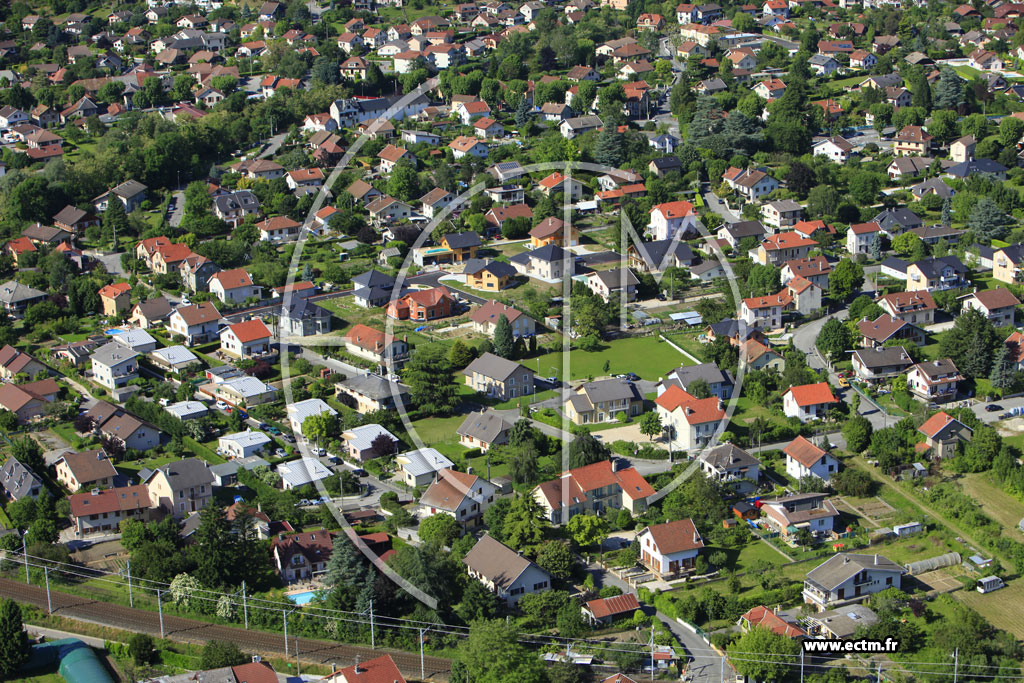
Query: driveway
174	219
720	207
111	261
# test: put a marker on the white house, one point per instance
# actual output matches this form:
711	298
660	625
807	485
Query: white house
835	148
420	467
503	571
114	365
298	412
670	549
233	286
804	459
861	237
246	339
463	496
691	422
750	184
807	401
672	218
243	444
849	577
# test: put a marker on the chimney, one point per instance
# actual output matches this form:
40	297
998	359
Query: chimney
846	559
356	668
256	659
876	558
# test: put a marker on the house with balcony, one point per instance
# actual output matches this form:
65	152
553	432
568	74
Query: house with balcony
784	213
881	364
765	312
861	238
732	467
942	434
912	140
936	274
998	305
546	263
198	323
751	184
460	495
935	381
804	459
811	511
456	247
603	400
875	333
233	286
302	556
370	393
504	572
849	577
776	249
387	351
102	511
917	307
248	339
814	269
689	422
672	220
808	401
1007	263
180	487
592	489
114	365
670	550
423	304
499	378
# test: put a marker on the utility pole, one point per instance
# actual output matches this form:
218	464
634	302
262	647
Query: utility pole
652	649
24	555
245	607
160	609
423	674
49	604
956	663
373	639
284	617
801	665
131	600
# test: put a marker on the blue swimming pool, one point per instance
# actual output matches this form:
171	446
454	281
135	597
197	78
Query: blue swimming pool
111	332
302	598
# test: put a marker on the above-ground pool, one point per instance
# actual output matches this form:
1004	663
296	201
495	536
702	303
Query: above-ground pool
303	598
112	331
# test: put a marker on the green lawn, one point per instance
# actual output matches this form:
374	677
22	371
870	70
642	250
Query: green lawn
66	431
202	452
649	357
439	432
132	467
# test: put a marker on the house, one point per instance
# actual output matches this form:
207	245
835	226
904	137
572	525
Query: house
370	393
303	556
466	145
962	150
836	148
386	350
487	127
130	193
47	235
278	229
300	410
488	275
750	184
239	390
862	238
998	305
897	221
75	220
378	670
984	167
603	401
943	432
503	571
578	125
985	60
483	430
783	213
116	298
808	401
734	233
463	496
545	263
197	270
719	382
604	611
18	247
761	616
934	381
841	623
936	273
917	307
114	365
553	230
592	489
420	467
756	356
849	577
424	304
658	256
139	341
765	311
912	140
180	487
823	65
811	511
732	467
300	317
244	444
247	339
19	481
99	511
198	323
804	459
619	282
298	474
1007	263
454	247
673	220
670	549
881	363
486	317
776	249
16	297
173	359
14	362
559	183
770	89
689	422
29	400
499	378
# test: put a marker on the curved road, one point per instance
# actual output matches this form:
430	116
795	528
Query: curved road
192	631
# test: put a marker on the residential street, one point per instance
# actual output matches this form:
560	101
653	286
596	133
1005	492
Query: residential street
720	207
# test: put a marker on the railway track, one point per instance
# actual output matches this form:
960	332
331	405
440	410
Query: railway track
199	632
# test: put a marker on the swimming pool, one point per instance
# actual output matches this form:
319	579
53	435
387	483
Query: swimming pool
303	598
112	331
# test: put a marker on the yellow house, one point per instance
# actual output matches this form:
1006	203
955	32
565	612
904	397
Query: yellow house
1006	263
116	298
552	230
490	276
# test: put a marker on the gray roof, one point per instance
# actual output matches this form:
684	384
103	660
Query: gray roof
129	189
709	372
933	267
19	480
184	410
112	353
232	466
484	426
612	279
496	562
374	386
155	309
583	122
496	268
238	200
424	461
373	278
884	356
301	308
962	170
938	368
184	473
462	240
610	390
495	367
653	253
12	292
175	355
303	471
728	457
743	229
845	621
838	568
897	218
363	436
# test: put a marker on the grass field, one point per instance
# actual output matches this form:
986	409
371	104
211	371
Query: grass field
994	502
649	357
1001	608
440	433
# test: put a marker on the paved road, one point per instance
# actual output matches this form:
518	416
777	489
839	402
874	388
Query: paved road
273	144
179	209
191	631
720	207
112	262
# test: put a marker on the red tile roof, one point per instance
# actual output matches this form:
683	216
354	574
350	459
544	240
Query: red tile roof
250	330
803	451
379	670
675	537
935	424
112	291
609	607
787	240
766	618
812	394
674	209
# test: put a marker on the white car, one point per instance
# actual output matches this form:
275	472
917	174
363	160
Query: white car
221	405
185	301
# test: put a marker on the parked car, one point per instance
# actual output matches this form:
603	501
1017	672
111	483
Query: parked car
359	472
264	426
993	407
221	405
274	430
632	377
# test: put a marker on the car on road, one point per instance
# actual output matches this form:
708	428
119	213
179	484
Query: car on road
632	377
263	426
843	382
993	407
221	405
288	437
1006	415
359	472
317	451
274	430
